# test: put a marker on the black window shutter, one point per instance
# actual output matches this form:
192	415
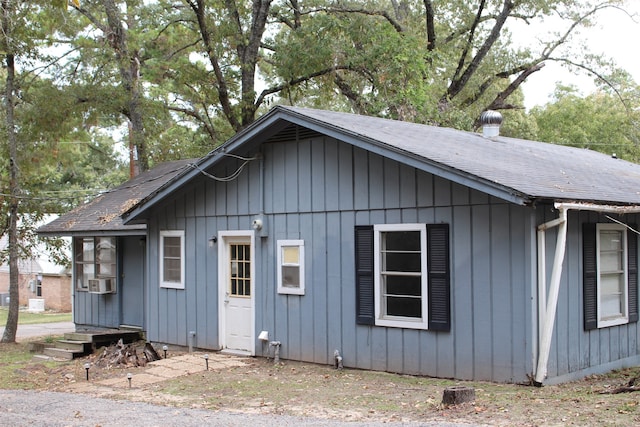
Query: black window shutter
438	271
632	273
365	314
590	276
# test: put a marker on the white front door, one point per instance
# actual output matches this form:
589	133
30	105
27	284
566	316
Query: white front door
236	290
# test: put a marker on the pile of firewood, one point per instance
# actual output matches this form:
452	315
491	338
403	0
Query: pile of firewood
126	355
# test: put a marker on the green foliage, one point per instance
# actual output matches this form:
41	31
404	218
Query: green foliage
384	65
600	122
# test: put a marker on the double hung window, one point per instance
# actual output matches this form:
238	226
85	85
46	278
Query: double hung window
402	276
290	267
610	275
172	259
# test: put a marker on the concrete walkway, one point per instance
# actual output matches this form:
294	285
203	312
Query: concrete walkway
162	370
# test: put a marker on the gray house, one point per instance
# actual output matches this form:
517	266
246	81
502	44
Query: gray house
406	248
109	257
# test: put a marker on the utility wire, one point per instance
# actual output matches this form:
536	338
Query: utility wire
228	178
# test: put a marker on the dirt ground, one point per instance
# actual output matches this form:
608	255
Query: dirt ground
260	386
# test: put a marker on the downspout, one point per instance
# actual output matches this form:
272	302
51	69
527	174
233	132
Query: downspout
547	313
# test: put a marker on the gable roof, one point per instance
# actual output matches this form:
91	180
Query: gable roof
102	215
515	170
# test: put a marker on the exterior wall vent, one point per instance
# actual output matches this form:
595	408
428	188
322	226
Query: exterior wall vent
490	121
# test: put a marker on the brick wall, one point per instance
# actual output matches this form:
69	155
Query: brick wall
56	290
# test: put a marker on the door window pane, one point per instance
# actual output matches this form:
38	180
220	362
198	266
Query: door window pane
240	269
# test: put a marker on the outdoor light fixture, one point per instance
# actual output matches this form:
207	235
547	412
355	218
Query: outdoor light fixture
212	241
129	376
86	368
165	348
206	360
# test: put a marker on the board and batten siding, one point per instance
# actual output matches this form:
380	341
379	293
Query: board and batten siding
575	351
105	310
96	310
318	190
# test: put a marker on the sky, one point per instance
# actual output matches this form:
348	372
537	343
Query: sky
615	34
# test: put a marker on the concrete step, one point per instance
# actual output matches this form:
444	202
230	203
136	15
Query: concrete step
61	353
73	345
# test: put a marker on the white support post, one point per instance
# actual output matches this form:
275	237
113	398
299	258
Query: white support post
549	316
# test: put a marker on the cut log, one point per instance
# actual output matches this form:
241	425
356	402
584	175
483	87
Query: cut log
150	353
120	354
458	394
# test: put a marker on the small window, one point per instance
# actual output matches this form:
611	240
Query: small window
612	275
291	267
401	275
172	259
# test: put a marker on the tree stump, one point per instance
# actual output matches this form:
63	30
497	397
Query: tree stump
458	394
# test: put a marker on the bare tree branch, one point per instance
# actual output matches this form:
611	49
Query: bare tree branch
459	81
394	23
298	80
191	113
602	78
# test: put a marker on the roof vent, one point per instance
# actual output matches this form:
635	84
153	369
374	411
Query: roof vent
490	121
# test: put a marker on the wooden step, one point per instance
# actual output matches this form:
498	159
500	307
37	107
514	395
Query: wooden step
61	353
103	338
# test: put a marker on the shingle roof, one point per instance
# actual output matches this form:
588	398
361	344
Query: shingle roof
516	170
533	170
102	214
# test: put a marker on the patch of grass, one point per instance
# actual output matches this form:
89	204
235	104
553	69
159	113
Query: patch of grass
29	318
16	369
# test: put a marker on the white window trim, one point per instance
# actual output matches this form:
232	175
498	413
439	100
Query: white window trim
286	289
82	283
395	321
172	233
621	320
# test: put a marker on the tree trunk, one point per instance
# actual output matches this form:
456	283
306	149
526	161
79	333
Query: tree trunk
129	66
11	326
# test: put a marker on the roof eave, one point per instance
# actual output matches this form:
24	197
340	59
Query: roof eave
133	231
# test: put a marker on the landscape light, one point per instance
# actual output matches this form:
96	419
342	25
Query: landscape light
86	368
165	348
206	360
129	376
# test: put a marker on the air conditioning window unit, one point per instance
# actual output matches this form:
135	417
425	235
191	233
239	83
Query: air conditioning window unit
102	286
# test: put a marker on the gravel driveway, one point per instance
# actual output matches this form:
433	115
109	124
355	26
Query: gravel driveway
20	408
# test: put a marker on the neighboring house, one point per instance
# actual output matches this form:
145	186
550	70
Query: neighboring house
42	283
407	248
